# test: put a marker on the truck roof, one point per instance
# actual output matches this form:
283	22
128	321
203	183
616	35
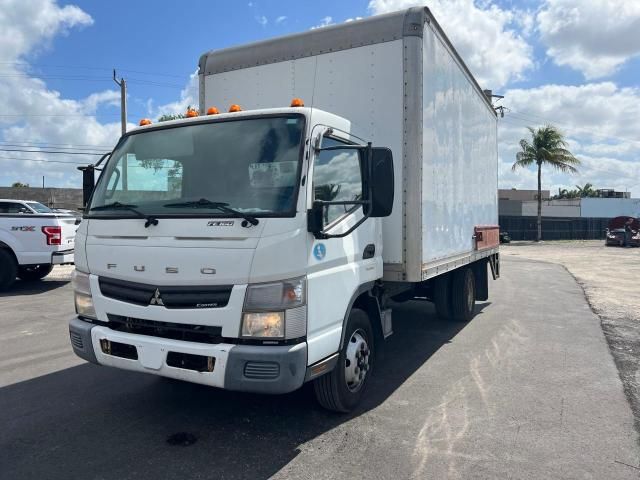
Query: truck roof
317	116
357	33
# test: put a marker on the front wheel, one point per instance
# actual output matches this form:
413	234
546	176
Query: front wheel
34	272
341	389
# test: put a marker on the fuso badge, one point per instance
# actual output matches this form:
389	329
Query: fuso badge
319	251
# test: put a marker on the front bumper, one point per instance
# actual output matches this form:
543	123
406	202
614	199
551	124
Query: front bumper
248	368
63	257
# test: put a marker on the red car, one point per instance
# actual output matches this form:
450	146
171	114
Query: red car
620	226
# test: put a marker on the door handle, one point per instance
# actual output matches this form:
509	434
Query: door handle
369	251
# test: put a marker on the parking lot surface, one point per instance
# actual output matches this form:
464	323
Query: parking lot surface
610	277
528	389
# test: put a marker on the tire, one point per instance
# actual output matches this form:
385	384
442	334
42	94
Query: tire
442	296
8	269
34	272
332	390
463	295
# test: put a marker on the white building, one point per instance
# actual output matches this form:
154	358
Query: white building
584	208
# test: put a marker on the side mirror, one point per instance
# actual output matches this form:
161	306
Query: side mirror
381	182
88	183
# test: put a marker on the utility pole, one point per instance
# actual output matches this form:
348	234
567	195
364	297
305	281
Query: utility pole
123	101
123	118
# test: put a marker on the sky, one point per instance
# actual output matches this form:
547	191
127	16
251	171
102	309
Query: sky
571	63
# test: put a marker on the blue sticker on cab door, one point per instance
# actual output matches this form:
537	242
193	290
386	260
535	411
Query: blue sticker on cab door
319	251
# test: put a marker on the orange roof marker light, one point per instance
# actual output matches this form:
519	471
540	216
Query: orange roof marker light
297	102
145	121
191	113
235	108
213	111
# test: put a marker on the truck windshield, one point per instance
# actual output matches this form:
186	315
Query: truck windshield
251	166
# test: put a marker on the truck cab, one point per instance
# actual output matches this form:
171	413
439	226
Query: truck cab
223	250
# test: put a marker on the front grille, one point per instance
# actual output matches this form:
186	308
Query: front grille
196	296
173	331
262	370
76	340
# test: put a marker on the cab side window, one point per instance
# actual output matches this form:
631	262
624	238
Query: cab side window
11	207
337	176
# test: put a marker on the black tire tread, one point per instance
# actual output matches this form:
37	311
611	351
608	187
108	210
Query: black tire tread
8	269
441	296
327	387
458	295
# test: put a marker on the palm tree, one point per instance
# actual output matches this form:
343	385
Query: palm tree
547	147
586	191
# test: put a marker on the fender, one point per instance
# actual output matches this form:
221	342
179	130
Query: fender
370	305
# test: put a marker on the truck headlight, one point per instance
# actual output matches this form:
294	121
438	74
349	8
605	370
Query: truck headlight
275	310
82	294
263	325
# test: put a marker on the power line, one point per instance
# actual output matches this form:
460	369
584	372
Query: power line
78	67
86	78
2	144
50	151
59	145
41	160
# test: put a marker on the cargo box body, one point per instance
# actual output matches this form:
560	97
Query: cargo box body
399	82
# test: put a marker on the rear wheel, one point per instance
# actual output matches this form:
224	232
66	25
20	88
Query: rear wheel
463	294
8	269
341	389
34	272
442	295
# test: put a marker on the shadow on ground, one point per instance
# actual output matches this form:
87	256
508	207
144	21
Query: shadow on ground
21	288
95	422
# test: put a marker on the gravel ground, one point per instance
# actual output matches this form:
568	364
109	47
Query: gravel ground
610	277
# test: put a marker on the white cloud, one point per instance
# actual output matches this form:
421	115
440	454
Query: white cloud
595	37
188	97
482	32
601	122
280	19
262	20
33	112
26	25
324	22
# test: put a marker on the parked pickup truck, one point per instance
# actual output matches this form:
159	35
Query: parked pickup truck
33	238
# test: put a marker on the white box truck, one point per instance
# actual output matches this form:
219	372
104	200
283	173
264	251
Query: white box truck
263	248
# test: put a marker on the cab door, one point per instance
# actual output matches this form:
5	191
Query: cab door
338	267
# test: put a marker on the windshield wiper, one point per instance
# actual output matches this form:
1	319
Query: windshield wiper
150	219
223	207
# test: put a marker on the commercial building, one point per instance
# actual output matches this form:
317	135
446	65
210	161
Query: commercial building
574	218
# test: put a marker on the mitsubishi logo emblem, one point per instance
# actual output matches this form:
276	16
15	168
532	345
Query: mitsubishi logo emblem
156	299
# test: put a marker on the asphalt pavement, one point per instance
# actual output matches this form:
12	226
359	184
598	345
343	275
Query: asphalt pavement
528	389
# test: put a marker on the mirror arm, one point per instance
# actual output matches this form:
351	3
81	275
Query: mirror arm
325	236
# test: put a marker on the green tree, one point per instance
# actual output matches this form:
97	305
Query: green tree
19	185
547	147
586	191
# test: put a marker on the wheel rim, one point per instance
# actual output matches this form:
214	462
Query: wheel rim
356	364
470	293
